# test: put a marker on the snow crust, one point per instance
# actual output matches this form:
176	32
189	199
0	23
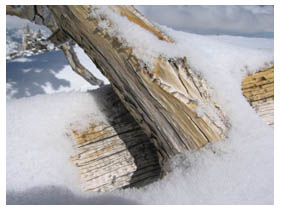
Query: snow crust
236	170
38	148
194	46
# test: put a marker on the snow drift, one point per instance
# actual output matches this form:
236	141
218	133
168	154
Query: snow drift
237	170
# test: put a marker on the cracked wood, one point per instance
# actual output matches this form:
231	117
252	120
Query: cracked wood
258	89
114	153
163	100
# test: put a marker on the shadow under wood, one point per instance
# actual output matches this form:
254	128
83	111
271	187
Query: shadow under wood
28	76
139	168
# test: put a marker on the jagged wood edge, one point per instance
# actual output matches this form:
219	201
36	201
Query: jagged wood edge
131	79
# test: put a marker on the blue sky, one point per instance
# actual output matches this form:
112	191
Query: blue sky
254	21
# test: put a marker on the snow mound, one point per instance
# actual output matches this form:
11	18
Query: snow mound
236	170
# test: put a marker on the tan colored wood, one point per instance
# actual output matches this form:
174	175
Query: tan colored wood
114	153
258	88
134	16
163	100
169	101
77	67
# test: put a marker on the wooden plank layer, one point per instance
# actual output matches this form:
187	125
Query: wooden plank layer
258	89
115	153
163	99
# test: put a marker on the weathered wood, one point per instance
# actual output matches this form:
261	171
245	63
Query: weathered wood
77	67
164	100
41	15
134	16
169	101
114	153
258	89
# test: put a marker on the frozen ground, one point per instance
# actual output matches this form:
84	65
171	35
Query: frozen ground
237	170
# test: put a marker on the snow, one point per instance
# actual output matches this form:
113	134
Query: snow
229	56
236	170
14	27
47	73
38	148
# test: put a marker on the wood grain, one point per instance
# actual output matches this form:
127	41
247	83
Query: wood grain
163	100
114	153
258	89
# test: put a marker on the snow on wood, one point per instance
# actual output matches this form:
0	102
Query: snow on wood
136	17
169	99
238	170
114	153
163	98
258	88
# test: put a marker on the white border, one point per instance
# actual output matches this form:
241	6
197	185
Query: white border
277	91
3	107
143	2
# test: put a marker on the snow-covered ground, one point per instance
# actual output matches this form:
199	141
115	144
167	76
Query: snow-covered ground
45	97
47	73
238	170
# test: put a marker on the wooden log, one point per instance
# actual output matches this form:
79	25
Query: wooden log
114	153
258	89
111	154
164	99
77	67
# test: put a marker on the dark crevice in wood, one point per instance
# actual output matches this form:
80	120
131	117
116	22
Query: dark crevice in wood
137	143
196	126
36	13
176	133
109	137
